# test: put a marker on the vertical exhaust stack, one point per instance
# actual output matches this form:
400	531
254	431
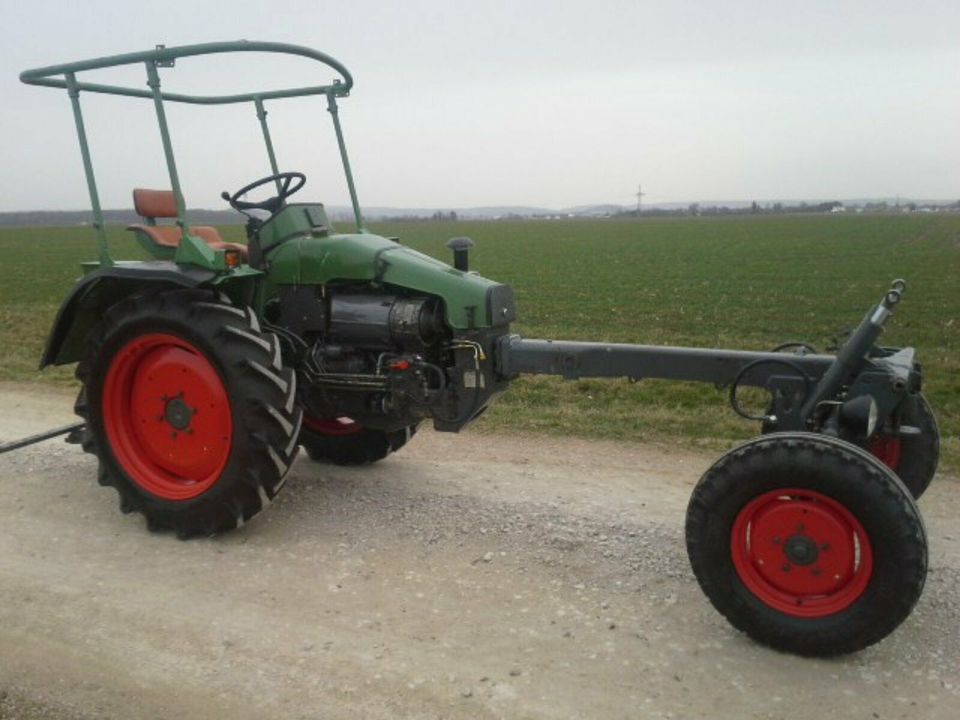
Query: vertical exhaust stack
461	252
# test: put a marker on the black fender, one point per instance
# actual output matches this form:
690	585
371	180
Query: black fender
98	290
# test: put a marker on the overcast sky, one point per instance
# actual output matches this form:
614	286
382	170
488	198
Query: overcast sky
461	104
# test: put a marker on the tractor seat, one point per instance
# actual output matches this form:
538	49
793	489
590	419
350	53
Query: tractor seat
153	204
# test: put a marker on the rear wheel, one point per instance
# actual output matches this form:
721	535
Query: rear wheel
807	543
342	441
189	411
913	457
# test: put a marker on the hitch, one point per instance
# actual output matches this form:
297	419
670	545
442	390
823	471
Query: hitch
40	437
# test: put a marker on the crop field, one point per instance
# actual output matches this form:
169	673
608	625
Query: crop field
746	282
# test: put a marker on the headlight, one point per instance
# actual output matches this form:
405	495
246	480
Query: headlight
859	416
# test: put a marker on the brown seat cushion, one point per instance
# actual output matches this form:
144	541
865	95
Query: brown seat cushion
154	203
169	236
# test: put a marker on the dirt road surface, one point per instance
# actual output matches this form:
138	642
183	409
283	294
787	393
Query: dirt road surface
468	576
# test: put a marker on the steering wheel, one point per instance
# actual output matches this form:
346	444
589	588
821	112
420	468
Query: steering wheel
288	182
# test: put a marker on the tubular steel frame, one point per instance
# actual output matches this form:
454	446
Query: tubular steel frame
799	384
65	76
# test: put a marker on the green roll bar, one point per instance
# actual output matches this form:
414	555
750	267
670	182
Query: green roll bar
65	76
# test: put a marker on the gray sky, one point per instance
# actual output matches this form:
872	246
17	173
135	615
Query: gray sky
493	103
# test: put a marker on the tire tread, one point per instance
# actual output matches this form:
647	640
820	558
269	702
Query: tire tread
261	451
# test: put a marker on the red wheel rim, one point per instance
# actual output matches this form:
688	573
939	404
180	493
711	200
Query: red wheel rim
887	450
334	427
801	553
167	416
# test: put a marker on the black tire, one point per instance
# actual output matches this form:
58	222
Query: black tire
362	447
919	454
841	475
258	405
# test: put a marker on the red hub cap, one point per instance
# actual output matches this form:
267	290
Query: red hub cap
335	427
167	416
801	553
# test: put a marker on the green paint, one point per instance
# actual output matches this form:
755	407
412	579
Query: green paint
160	252
103	249
293	221
153	80
365	257
194	251
335	114
262	117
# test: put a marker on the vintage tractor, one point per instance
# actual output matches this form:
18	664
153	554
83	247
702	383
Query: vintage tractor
205	368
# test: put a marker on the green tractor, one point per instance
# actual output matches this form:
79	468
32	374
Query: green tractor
204	370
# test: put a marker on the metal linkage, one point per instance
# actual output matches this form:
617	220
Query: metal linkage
64	76
851	356
344	159
73	91
799	383
162	56
264	128
574	360
40	437
153	81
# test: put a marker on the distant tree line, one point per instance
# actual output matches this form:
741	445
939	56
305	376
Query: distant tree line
53	218
777	208
698	209
438	216
200	216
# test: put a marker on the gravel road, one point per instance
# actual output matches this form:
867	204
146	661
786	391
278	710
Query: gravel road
469	576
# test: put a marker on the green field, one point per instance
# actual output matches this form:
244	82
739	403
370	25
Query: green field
748	282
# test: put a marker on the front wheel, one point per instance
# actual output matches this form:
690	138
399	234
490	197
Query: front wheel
807	543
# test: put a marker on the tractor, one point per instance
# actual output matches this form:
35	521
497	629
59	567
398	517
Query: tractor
204	369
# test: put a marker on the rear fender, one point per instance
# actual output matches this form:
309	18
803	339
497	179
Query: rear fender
95	292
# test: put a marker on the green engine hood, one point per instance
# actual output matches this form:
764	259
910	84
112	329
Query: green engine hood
471	301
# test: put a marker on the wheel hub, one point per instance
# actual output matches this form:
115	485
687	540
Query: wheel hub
178	413
167	415
801	550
